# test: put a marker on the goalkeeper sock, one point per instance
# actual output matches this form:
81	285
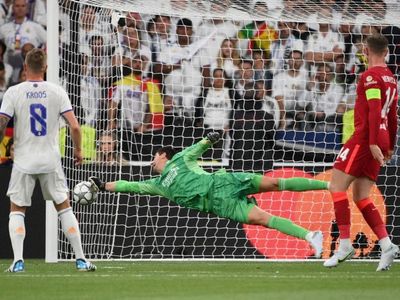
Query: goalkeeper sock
301	184
372	217
16	227
286	226
342	213
70	228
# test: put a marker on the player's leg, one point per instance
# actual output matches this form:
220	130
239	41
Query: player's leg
20	192
70	227
53	187
361	192
257	216
268	184
16	227
338	187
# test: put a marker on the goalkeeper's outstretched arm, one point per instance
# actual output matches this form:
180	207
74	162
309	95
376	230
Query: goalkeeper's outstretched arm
196	150
146	187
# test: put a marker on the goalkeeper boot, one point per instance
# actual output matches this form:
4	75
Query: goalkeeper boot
85	266
316	240
97	184
17	267
340	256
387	258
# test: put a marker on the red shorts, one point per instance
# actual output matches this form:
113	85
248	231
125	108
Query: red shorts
356	159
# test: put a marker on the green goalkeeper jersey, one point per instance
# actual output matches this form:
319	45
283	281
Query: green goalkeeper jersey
182	181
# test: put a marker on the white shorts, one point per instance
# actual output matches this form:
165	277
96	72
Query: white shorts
53	185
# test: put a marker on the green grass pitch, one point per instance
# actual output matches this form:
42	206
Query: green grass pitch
200	280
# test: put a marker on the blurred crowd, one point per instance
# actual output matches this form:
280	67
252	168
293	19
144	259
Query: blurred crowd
161	79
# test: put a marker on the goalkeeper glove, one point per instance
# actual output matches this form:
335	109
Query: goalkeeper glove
97	184
213	137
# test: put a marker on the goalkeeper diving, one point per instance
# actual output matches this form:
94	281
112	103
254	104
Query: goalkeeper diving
222	193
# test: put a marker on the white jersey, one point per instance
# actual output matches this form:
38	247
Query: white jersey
293	89
36	107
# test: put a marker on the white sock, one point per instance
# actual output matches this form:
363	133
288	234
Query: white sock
385	243
309	236
70	228
16	228
345	244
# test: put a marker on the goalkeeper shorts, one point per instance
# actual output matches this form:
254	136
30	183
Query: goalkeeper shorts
228	198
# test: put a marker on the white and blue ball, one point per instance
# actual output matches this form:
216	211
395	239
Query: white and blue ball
84	194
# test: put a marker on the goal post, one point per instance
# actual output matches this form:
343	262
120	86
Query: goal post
51	223
276	78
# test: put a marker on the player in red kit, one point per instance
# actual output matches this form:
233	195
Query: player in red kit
360	159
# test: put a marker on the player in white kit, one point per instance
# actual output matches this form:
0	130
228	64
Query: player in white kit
37	107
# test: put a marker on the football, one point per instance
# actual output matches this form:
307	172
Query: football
84	194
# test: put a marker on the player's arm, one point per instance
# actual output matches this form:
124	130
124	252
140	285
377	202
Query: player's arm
392	117
76	134
6	111
196	150
373	94
3	124
145	187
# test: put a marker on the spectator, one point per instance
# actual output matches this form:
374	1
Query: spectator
256	35
260	8
5	11
38	13
302	31
131	47
217	104
228	58
21	76
7	157
99	62
244	85
3	81
352	53
8	68
289	88
270	105
327	104
87	27
15	73
184	82
367	30
141	112
325	45
281	46
107	150
216	30
217	108
159	36
252	134
19	32
260	65
90	24
134	19
90	95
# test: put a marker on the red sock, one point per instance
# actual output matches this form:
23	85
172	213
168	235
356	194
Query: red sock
372	217
342	213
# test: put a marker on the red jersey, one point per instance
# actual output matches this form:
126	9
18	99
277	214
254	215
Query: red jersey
375	120
375	113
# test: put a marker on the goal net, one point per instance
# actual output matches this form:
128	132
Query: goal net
276	78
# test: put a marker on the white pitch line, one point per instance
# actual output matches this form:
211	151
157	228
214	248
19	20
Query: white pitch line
208	275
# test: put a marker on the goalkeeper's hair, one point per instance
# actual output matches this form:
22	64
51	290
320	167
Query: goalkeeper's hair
377	43
168	150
